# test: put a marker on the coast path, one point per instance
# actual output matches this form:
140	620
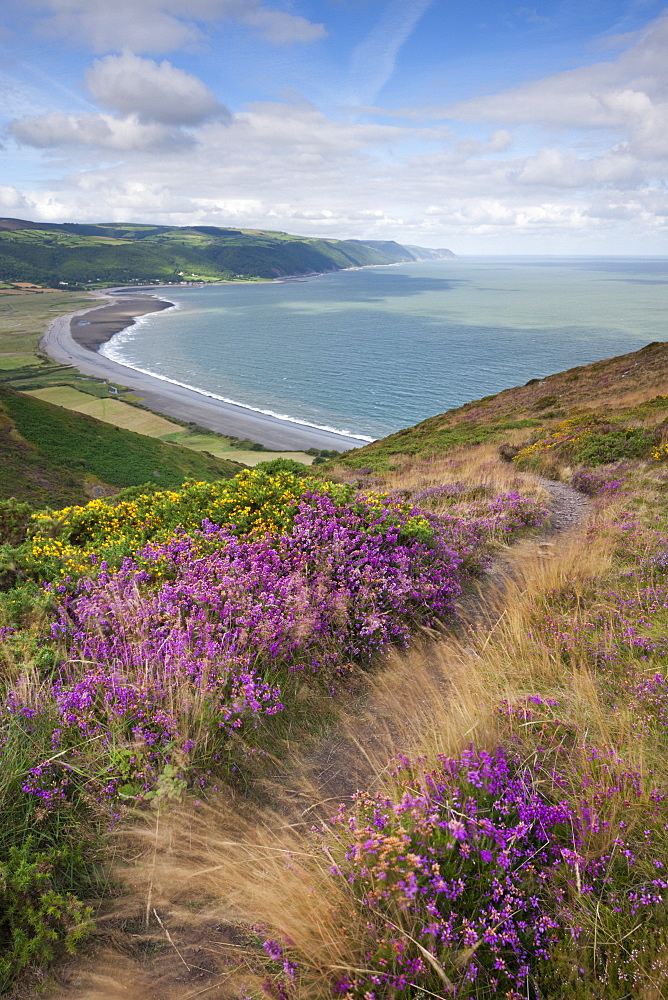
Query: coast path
350	758
155	946
67	344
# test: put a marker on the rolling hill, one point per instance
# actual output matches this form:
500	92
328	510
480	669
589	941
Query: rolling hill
80	255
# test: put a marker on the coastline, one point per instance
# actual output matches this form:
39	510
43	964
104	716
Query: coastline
68	343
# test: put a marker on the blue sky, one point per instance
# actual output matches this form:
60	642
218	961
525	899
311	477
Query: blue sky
484	127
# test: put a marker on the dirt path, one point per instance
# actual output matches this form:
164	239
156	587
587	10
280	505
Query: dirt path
178	955
568	509
349	759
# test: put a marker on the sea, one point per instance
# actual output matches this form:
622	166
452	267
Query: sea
369	351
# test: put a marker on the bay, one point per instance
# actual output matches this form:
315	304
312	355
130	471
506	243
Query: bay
372	350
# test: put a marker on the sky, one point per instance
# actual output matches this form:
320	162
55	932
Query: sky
484	127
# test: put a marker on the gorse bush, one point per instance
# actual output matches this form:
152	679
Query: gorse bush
37	921
613	445
588	440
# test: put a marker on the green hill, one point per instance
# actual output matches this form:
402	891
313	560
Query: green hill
119	253
54	457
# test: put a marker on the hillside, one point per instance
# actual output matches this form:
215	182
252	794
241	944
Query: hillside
78	255
52	457
394	730
621	398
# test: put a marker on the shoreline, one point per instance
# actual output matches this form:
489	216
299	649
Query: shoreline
66	342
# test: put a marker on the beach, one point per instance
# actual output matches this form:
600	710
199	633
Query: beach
69	343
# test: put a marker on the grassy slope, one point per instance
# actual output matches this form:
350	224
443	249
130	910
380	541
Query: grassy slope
52	457
115	254
611	388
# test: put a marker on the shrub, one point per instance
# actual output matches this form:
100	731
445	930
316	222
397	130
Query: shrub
37	922
288	465
614	444
14	520
543	402
597	482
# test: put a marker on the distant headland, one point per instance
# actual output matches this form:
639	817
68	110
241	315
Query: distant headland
78	256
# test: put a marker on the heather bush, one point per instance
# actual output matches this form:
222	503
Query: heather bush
598	482
502	873
204	634
194	638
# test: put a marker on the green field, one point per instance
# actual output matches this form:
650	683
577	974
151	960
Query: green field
111	411
24	318
53	457
114	411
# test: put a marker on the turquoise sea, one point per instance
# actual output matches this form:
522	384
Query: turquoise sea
373	350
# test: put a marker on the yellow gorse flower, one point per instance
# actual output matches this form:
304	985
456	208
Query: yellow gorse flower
253	502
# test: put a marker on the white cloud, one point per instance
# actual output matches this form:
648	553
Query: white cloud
290	167
41	206
165	25
558	169
11	199
155	92
613	94
56	130
278	27
156	103
579	157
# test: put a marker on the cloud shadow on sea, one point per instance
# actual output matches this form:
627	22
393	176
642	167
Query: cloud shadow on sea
395	284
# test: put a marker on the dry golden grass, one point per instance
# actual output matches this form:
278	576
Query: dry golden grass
478	466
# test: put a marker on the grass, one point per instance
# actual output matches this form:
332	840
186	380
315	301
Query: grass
555	664
116	457
225	447
11	361
54	457
23	318
110	411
